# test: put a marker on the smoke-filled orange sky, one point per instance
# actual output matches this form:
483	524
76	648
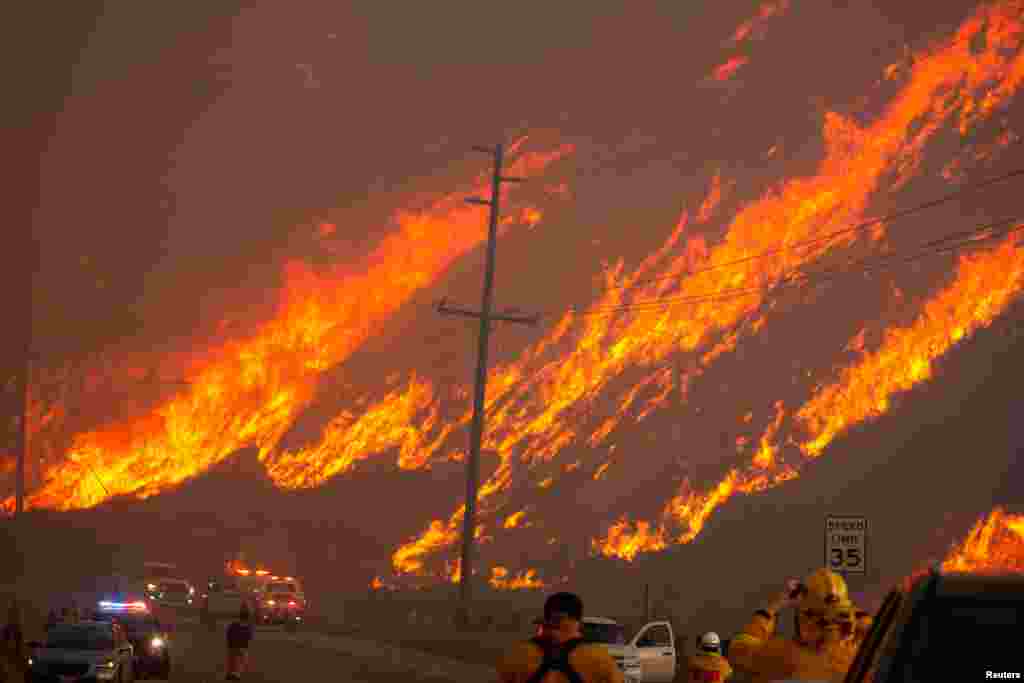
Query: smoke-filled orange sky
307	197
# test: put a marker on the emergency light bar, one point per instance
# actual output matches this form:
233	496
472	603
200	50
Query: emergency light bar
111	605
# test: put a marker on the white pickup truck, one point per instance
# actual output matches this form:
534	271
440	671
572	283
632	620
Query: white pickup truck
649	657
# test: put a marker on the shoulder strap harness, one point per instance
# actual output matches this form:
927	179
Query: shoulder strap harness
556	658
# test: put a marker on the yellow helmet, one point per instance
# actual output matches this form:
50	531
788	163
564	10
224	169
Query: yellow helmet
824	590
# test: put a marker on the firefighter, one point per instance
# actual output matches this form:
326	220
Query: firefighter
815	651
239	637
708	665
559	648
853	627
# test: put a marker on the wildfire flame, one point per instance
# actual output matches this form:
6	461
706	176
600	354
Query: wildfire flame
528	579
250	391
994	544
531	402
538	406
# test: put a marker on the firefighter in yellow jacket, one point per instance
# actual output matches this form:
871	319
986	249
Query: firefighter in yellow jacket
708	665
816	652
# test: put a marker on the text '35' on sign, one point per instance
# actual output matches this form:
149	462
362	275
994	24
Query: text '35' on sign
846	544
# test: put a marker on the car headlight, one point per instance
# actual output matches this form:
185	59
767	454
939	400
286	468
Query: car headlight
156	643
109	664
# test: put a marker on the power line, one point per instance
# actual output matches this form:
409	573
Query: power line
947	244
795	281
859	227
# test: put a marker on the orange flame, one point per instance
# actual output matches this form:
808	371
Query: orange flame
523	580
514	519
984	285
532	402
994	544
250	392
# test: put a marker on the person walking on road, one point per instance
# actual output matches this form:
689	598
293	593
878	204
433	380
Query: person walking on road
239	635
559	654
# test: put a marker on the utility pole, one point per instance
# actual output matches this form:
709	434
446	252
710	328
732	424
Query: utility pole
21	442
486	317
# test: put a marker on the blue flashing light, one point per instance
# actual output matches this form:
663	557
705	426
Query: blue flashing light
115	606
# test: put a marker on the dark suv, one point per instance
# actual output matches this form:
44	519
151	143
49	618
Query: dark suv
151	640
946	627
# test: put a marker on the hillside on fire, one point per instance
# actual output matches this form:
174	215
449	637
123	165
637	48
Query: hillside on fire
775	252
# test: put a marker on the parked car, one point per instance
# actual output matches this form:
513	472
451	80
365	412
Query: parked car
87	651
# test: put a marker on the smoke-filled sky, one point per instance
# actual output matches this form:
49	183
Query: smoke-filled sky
277	183
197	139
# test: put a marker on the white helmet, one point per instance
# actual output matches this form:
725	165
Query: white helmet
710	642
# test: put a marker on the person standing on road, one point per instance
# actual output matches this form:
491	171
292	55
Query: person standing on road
239	636
559	653
814	652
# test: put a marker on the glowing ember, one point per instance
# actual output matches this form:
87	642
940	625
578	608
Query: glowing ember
724	72
752	27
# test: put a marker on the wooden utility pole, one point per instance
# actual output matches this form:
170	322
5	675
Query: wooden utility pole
486	317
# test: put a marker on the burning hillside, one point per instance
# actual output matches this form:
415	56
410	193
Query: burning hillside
250	391
599	372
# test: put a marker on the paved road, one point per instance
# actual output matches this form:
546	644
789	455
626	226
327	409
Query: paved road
279	657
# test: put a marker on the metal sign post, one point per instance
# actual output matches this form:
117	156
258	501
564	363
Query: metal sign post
846	540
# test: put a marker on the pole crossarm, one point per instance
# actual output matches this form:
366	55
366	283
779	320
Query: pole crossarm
444	309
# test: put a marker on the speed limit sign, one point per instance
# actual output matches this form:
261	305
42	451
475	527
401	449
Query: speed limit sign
846	544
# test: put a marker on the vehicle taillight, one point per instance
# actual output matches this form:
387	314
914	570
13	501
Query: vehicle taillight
709	676
291	603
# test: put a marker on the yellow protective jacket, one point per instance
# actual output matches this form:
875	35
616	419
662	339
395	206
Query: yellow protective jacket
702	663
591	661
757	652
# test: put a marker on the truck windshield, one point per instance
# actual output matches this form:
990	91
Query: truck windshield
934	646
156	571
281	588
609	634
